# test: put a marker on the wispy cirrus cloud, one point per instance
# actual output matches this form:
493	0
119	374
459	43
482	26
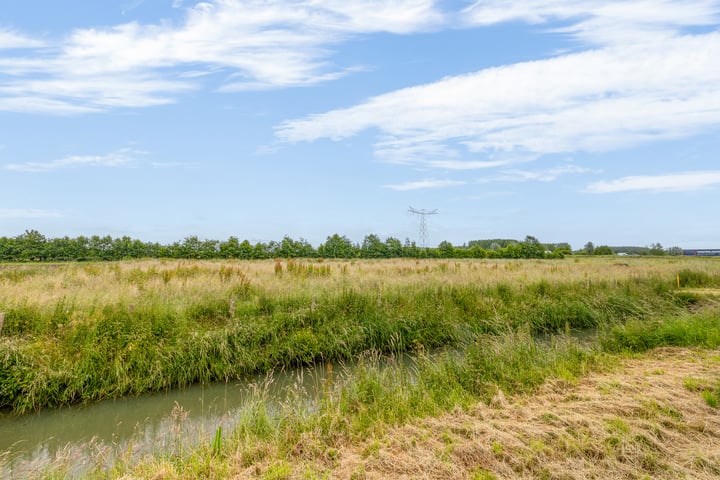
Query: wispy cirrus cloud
600	22
674	182
175	164
547	175
22	213
10	39
125	157
647	80
505	176
253	44
424	184
473	164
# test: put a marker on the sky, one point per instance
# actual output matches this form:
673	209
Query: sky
572	121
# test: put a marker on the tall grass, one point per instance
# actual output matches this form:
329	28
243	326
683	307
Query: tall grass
164	325
688	330
379	394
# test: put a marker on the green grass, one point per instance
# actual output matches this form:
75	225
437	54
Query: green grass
71	351
709	392
687	330
72	354
379	394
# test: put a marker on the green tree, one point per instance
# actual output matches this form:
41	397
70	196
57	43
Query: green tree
305	249
513	250
101	248
230	248
8	249
245	250
446	249
532	248
477	251
261	250
657	249
31	245
394	247
373	247
191	247
603	250
410	249
337	247
288	248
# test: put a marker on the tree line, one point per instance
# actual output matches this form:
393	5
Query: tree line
655	249
34	246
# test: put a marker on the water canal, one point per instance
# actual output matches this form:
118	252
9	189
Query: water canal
162	421
86	436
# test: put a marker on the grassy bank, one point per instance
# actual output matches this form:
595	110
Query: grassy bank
80	333
611	407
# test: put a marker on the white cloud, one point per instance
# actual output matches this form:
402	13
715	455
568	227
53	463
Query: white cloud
521	176
174	164
88	94
549	175
600	22
641	78
10	39
596	100
675	182
121	158
423	184
506	176
19	213
131	5
471	164
255	44
30	104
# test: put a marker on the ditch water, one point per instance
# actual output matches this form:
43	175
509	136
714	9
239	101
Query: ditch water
83	437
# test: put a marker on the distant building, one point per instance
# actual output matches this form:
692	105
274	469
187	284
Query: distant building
702	253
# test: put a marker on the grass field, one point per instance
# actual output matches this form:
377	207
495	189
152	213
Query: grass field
82	332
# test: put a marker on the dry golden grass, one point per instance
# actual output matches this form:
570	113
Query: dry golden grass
712	292
640	421
183	281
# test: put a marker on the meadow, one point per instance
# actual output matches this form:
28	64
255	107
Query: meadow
77	333
82	332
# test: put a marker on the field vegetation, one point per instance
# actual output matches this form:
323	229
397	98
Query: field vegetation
33	246
82	332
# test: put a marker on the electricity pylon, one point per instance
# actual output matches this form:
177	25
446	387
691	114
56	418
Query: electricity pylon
423	223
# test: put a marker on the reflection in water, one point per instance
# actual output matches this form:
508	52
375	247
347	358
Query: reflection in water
165	421
82	436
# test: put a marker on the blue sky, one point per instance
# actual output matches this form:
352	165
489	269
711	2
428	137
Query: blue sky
572	121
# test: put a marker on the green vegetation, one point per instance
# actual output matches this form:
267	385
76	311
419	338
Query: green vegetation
154	326
32	246
710	391
656	249
377	397
702	330
81	332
